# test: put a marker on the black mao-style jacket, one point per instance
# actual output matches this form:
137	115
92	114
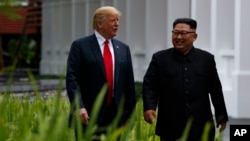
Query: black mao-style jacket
181	86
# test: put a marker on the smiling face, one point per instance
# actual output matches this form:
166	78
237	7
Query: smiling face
108	27
183	37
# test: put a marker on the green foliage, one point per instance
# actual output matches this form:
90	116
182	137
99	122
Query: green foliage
138	129
35	119
138	89
25	120
7	9
26	53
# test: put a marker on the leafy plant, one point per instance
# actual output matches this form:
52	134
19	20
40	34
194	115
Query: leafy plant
32	118
26	54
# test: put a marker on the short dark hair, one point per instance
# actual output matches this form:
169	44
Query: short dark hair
191	22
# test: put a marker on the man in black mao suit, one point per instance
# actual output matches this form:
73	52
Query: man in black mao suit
180	81
86	70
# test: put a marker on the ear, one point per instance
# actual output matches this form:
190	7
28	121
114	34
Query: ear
99	24
195	36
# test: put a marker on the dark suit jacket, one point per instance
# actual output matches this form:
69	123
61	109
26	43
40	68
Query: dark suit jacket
86	73
180	86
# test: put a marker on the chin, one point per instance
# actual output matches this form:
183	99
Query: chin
179	47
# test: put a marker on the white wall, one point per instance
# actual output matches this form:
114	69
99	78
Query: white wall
145	25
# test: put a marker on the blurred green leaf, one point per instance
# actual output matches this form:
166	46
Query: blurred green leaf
32	118
26	53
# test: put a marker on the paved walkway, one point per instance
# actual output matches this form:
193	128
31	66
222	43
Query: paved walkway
26	86
46	88
20	83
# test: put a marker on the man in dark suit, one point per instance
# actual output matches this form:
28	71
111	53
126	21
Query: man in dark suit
180	81
98	59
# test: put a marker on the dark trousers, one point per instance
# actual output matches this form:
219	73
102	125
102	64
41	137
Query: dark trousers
211	138
107	114
105	118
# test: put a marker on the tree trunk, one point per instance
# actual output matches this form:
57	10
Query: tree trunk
1	54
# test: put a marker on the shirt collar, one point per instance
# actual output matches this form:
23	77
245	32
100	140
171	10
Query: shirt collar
100	38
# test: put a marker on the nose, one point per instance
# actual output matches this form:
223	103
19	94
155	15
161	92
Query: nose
179	36
117	22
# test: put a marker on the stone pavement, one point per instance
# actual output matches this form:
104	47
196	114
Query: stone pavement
26	86
45	88
20	83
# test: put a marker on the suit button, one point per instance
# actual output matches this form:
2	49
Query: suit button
186	79
186	91
185	68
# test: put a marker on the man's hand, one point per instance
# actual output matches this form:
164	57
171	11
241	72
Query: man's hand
149	115
222	126
84	116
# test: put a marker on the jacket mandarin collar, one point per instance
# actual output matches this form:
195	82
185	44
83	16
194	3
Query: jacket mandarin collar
190	56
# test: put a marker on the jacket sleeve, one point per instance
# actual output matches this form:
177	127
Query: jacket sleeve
150	98
73	75
217	96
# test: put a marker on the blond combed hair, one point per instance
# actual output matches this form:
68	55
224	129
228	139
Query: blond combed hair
102	12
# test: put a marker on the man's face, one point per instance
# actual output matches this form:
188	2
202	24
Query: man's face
183	37
109	26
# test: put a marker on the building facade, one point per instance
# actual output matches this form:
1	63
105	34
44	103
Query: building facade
145	25
20	24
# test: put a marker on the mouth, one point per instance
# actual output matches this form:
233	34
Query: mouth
179	43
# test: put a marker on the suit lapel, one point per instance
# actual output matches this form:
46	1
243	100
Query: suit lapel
98	55
116	49
97	52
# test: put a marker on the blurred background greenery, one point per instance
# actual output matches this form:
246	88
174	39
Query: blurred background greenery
37	119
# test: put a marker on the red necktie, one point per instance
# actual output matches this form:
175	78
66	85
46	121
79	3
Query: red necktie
109	70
